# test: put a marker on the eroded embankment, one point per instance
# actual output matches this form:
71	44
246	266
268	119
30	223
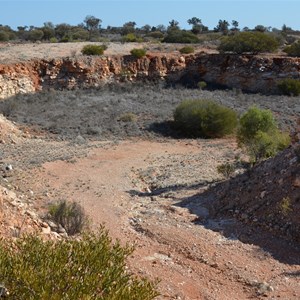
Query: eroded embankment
246	72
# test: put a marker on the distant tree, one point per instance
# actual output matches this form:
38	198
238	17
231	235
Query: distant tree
146	28
62	30
235	25
194	21
198	27
285	28
161	28
173	25
260	28
22	32
4	37
222	26
92	24
35	35
128	27
48	30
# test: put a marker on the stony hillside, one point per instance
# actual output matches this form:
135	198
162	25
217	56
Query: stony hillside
267	196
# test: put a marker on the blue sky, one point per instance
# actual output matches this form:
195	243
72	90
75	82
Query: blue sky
272	13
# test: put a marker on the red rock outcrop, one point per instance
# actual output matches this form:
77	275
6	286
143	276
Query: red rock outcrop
246	72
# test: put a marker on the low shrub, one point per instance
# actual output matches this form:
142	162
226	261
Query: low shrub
138	53
259	135
70	215
90	268
187	50
204	118
128	117
155	34
202	85
252	42
294	49
53	40
289	86
93	49
226	169
131	38
180	36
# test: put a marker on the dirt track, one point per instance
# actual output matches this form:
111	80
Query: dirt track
175	239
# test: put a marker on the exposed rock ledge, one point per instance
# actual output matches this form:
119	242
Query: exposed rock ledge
246	72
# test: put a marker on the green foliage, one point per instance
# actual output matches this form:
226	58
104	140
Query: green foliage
180	36
131	38
187	50
285	206
53	40
253	42
70	215
289	87
138	52
202	85
294	49
93	49
255	120
4	36
204	118
156	35
90	268
258	133
35	35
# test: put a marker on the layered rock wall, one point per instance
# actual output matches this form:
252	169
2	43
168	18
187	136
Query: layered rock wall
246	72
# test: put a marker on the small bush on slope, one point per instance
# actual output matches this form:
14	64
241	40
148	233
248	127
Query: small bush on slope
289	86
138	53
204	118
91	268
93	49
259	135
294	49
70	216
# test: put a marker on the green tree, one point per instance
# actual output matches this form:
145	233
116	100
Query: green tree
128	27
92	25
198	27
223	26
173	25
35	35
235	25
260	28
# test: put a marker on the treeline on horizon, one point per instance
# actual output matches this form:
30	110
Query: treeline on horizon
90	30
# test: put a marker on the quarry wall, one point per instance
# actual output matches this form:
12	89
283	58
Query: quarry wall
246	72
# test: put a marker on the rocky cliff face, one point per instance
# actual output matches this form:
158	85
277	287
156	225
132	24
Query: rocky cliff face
246	72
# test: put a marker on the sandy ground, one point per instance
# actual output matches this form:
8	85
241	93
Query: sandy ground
193	260
11	53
